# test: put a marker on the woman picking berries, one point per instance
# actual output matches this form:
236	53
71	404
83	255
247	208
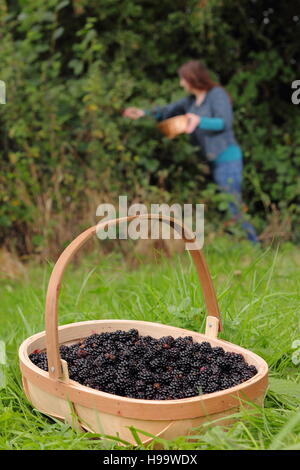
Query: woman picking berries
210	124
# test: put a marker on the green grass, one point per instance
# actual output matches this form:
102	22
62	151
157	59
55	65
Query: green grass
259	296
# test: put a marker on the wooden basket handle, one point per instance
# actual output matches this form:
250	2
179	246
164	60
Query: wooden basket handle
52	344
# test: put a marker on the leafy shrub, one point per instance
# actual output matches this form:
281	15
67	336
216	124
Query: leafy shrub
72	67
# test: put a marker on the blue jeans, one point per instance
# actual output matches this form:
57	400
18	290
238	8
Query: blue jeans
228	177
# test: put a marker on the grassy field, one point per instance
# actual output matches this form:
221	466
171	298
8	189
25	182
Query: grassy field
259	295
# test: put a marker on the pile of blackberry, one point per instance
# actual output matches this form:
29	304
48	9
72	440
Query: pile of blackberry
127	364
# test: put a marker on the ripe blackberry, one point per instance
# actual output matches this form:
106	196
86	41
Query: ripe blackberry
40	360
253	370
233	358
205	347
190	392
155	363
223	363
224	383
248	373
211	387
64	350
130	365
133	333
235	379
110	388
173	353
145	375
123	372
148	356
180	343
166	377
125	353
140	385
167	340
218	352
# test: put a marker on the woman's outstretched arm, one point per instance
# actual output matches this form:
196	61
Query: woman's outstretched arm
165	112
159	112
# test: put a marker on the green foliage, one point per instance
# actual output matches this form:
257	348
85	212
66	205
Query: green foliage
72	67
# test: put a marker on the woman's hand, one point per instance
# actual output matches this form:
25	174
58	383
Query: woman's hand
133	113
193	122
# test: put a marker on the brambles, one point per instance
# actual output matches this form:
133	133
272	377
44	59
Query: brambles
130	365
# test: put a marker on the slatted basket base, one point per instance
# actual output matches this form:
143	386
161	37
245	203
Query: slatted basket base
54	394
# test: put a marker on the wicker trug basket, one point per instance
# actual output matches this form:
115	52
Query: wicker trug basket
173	126
53	393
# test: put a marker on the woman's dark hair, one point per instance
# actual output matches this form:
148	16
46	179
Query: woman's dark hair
197	75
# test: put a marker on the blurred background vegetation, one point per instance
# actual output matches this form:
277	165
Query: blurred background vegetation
72	66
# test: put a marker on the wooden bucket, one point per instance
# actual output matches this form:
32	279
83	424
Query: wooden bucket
173	126
53	393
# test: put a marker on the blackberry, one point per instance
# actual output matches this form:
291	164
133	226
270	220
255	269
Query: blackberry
133	333
140	385
173	354
40	360
167	341
223	363
253	370
218	352
224	383
155	363
235	379
127	364
110	388
148	356
205	347
233	358
64	350
180	343
125	353
211	387
145	375
166	377
190	392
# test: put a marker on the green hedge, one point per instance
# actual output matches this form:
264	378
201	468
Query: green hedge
71	67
